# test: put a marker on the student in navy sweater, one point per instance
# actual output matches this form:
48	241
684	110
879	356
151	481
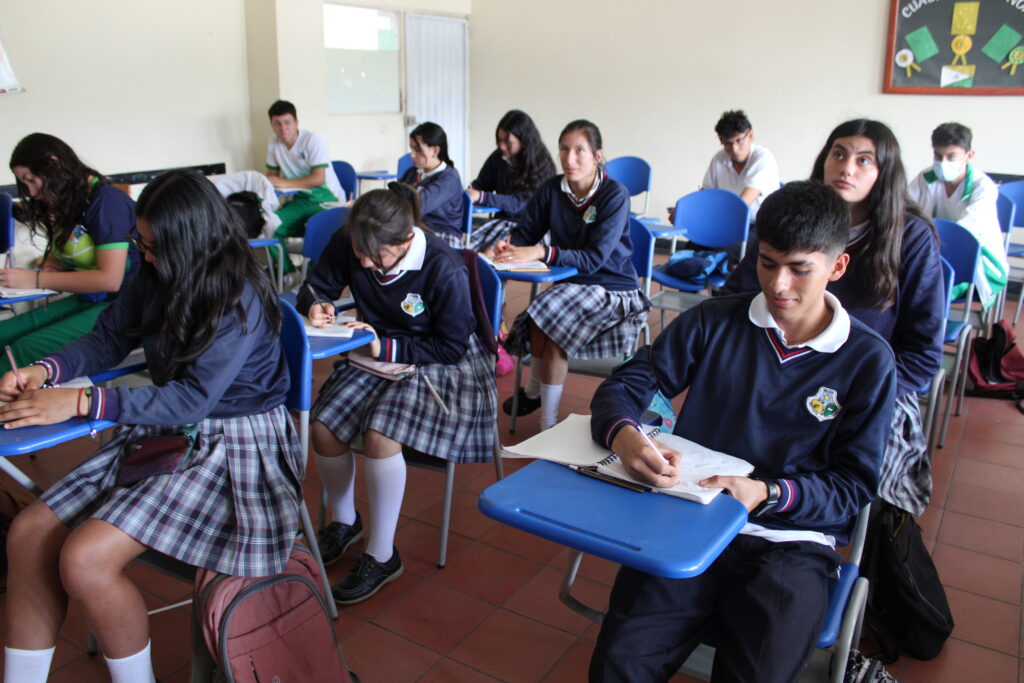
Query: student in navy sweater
434	176
894	286
786	379
208	318
595	314
414	294
509	177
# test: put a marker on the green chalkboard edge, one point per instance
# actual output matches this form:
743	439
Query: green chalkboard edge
890	55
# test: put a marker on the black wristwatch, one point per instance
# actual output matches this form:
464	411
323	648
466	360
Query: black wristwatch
769	503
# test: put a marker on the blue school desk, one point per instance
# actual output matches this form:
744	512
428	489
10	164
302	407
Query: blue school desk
382	176
8	300
652	532
325	347
484	209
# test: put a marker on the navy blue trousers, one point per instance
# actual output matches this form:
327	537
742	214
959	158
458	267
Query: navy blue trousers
760	603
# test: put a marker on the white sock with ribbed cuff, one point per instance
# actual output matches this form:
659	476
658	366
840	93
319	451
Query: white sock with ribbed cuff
385	488
339	477
136	668
27	666
550	397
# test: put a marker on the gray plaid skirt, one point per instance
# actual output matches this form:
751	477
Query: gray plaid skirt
906	477
234	510
455	241
586	321
353	401
484	236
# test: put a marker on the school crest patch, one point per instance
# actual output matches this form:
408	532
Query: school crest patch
413	304
824	405
590	215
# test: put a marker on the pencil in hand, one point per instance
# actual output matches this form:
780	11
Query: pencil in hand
14	367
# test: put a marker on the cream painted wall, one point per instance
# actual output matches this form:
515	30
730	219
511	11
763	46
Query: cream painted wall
131	85
655	75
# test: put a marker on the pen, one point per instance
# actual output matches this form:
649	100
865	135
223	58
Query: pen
14	366
319	301
647	439
632	486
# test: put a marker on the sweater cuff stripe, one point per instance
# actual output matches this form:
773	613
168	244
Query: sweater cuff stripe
549	258
54	369
788	494
615	426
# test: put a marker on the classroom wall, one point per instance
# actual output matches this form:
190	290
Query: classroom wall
131	85
655	75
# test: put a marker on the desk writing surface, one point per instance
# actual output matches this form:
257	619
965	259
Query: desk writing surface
325	347
553	274
659	534
31	439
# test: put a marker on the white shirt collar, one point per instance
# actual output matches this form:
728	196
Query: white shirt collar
413	259
593	188
421	174
828	341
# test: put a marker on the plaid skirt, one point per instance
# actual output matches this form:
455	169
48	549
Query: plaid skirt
455	241
586	321
353	401
234	510
906	477
484	236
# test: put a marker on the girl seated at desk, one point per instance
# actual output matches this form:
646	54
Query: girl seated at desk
434	176
415	295
595	314
509	177
85	221
208	318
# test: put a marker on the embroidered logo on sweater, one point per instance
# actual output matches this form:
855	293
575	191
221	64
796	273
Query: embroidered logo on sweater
413	304
590	215
824	405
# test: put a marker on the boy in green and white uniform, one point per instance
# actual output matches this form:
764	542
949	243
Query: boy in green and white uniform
954	189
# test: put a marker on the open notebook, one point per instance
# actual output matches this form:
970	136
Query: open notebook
569	443
513	267
338	329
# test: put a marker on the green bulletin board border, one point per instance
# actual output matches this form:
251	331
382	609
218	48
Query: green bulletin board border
890	56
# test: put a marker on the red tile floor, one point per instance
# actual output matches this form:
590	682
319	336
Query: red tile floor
493	612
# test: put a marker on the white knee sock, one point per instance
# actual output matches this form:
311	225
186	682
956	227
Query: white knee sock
533	384
339	477
550	397
27	666
136	668
385	487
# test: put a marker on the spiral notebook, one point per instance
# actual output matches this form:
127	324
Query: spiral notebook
569	443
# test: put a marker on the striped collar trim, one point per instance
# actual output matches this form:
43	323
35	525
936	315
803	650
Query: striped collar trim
413	259
829	340
582	203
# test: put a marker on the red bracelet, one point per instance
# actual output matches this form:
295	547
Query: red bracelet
78	404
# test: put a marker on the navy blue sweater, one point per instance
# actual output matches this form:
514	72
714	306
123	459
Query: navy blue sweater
493	182
423	316
440	199
914	325
593	238
240	373
745	401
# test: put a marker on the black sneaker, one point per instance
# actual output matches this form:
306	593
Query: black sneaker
337	537
526	404
366	578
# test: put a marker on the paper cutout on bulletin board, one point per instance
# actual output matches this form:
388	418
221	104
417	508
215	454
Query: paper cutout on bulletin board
1000	44
965	18
8	81
905	60
960	45
1016	58
957	76
922	43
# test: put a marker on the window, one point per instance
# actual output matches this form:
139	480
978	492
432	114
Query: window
363	70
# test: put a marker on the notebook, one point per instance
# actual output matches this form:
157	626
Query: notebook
12	293
526	265
337	330
569	443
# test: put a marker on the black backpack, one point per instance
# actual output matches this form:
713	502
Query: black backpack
246	205
907	609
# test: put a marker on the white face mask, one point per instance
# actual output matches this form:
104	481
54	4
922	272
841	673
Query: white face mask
948	171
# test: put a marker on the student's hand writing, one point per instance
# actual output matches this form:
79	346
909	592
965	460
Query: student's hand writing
42	407
321	315
506	253
17	278
750	492
474	194
655	467
375	344
33	377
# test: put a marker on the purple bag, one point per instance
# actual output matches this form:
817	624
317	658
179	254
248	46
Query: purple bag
152	455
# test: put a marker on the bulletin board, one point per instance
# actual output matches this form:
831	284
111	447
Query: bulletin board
955	47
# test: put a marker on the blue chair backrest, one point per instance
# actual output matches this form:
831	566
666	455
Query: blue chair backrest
643	247
346	176
404	164
299	357
947	285
467	213
6	222
712	217
319	230
633	172
1006	211
491	285
1015	191
960	248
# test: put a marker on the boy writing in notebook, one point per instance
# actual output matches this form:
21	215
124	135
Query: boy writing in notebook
787	380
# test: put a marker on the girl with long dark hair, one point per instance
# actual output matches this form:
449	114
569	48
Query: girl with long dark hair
893	285
414	294
437	182
509	176
84	220
208	319
595	314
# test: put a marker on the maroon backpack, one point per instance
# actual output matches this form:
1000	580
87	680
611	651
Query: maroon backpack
271	628
996	366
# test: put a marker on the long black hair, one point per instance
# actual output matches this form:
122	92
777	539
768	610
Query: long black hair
534	164
61	202
888	209
203	262
432	135
378	219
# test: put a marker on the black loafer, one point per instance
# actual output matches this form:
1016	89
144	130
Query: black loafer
366	578
337	537
526	404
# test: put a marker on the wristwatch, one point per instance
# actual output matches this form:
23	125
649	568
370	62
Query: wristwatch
769	503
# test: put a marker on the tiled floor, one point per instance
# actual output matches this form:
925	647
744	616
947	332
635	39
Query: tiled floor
493	612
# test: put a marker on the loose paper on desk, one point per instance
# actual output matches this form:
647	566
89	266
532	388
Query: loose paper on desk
11	292
569	443
337	330
526	265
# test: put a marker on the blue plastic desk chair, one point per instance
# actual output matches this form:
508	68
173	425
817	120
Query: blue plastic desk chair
347	177
635	174
1008	213
467	218
933	390
404	164
1014	191
6	223
272	248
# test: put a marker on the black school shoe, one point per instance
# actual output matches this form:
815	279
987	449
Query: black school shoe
366	578
526	404
337	537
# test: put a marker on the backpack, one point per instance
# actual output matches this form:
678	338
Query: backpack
996	366
271	628
248	208
696	266
907	609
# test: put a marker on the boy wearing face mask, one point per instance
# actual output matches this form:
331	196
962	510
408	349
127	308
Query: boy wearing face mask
954	189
